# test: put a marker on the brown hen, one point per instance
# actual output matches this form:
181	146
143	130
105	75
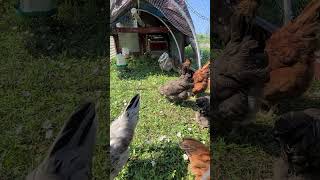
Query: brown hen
291	55
242	18
237	80
186	68
201	79
179	89
199	156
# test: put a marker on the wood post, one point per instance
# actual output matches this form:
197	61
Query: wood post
116	43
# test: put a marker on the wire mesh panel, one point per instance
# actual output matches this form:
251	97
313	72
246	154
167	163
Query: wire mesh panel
298	6
272	11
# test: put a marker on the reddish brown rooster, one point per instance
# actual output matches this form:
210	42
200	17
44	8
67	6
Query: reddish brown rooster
291	55
199	156
201	79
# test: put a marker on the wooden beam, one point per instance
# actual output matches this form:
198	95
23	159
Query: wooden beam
147	30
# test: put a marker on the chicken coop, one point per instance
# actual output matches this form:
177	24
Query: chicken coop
153	27
271	15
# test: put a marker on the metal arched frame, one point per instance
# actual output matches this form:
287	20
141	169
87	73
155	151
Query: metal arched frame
193	32
174	38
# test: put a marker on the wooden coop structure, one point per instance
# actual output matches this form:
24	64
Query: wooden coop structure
151	26
272	14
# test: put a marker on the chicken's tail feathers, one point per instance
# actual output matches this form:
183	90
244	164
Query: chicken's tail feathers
79	130
192	146
207	65
247	8
249	43
134	103
309	13
122	129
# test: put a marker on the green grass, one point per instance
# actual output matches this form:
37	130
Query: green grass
157	118
203	38
39	84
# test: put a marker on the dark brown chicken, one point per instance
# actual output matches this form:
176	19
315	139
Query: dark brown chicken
179	89
199	157
236	75
234	19
241	20
200	79
298	133
291	56
203	115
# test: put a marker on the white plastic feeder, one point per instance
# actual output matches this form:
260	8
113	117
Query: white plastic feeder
121	62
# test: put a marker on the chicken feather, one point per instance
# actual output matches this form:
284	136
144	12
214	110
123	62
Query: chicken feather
121	134
199	156
291	56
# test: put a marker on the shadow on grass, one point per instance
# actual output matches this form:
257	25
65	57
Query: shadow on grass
298	104
188	104
233	161
71	32
247	154
258	135
141	67
169	164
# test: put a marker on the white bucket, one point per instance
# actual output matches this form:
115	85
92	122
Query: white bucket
121	61
125	52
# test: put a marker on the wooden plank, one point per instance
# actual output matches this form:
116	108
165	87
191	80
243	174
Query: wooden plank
113	51
141	30
116	41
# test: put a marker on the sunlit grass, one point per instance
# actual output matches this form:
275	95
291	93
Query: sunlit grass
162	124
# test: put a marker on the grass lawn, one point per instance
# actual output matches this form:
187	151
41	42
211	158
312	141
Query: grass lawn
43	79
162	124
